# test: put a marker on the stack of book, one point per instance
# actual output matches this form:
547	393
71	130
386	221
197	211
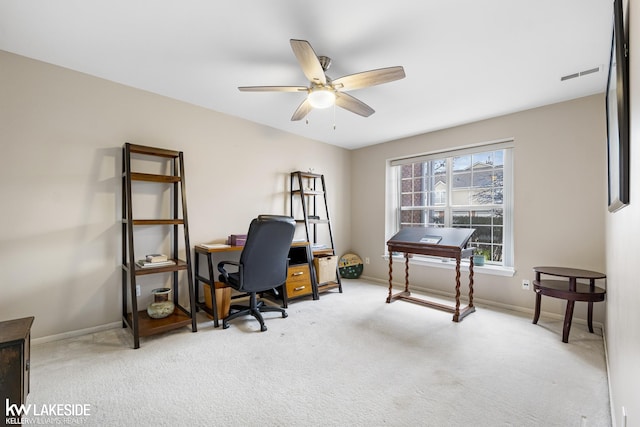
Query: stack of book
155	260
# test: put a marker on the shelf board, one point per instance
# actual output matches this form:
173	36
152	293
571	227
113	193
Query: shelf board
149	326
179	265
137	176
323	252
309	192
153	151
313	221
156	221
306	174
327	286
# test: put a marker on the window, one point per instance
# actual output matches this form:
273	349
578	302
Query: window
468	188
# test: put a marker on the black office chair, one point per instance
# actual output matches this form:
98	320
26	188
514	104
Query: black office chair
263	265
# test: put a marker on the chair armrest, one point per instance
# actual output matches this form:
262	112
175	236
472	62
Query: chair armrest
222	270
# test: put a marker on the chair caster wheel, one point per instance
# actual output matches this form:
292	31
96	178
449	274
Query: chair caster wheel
284	315
263	328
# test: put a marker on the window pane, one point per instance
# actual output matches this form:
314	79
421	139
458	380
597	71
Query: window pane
462	180
482	178
497	217
406	171
461	218
497	234
436	217
461	163
480	217
417	184
496	253
463	192
482	234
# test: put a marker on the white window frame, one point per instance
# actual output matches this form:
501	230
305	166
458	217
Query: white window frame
392	222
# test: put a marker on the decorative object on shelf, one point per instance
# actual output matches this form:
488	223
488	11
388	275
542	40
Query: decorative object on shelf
237	239
147	264
156	258
161	306
478	260
350	266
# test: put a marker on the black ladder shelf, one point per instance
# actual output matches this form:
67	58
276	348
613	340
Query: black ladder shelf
139	322
309	191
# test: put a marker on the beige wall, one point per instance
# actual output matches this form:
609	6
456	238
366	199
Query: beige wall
62	133
623	255
559	200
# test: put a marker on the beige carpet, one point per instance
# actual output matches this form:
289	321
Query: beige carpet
346	360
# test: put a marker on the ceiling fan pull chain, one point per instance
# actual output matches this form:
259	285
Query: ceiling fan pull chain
334	116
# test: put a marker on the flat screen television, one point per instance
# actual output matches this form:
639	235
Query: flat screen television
617	107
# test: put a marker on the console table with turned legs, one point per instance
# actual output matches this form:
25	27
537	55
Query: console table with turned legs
570	290
448	243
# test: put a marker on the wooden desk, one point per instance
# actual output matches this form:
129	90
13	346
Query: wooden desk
569	290
300	280
15	350
208	251
451	243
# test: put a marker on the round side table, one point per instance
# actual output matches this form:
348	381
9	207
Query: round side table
570	290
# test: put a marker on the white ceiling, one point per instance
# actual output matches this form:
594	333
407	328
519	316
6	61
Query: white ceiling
465	60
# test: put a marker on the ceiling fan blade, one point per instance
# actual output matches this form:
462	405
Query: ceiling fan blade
273	88
369	78
309	62
302	110
348	102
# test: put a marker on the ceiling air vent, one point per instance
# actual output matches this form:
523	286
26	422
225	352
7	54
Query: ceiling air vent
580	74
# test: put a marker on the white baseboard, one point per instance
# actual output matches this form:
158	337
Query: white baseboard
76	333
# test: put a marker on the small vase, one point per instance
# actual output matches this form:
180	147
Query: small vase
478	260
161	306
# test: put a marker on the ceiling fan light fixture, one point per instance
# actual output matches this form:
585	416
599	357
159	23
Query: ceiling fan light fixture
321	97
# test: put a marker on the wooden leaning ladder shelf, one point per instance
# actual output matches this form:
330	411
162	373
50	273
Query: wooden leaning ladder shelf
139	322
309	192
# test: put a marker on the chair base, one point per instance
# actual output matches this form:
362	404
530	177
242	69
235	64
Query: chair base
254	309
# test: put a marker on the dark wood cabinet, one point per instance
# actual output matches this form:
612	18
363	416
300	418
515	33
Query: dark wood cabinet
15	349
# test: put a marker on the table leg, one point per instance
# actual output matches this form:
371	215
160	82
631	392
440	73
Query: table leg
456	313
592	286
471	281
390	276
406	272
567	321
196	283
536	314
212	288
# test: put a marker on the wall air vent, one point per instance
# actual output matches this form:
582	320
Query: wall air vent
580	74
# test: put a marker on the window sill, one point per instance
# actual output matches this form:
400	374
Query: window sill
494	270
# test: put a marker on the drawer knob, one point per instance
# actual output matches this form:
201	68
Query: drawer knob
299	288
298	273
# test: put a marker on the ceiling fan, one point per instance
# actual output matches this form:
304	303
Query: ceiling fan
324	92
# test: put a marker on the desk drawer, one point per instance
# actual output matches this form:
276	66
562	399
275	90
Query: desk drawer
299	281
